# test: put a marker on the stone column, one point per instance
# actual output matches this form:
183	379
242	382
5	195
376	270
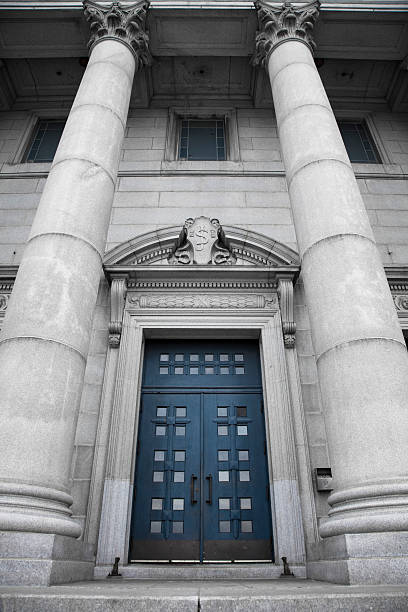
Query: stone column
45	337
361	355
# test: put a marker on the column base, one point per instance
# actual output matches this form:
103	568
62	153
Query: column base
362	558
43	559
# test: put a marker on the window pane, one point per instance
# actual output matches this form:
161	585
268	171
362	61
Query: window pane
157	503
224	503
178	503
223	430
180	411
164	357
225	526
179	455
224	370
358	142
222	411
244	476
164	370
158	476
45	141
246	526
241	411
224	357
179	357
243	455
194	357
155	526
223	476
223	455
178	477
161	411
242	430
159	455
209	357
245	503
180	430
179	370
160	430
194	370
177	526
239	357
239	370
209	370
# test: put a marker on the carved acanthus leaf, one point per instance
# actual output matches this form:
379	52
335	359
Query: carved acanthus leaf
125	23
277	24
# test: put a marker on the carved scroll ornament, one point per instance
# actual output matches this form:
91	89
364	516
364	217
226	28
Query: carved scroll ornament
285	293
202	241
121	22
277	24
4	298
117	295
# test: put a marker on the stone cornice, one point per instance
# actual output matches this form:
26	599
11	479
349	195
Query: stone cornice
125	23
279	24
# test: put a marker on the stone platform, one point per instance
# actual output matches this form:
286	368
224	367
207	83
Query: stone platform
285	595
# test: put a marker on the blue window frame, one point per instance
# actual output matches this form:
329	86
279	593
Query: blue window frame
358	142
45	141
202	140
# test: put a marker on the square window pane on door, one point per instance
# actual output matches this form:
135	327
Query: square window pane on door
243	455
178	503
241	411
244	476
223	455
209	357
180	430
177	526
239	370
160	430
179	370
179	455
225	526
194	357
155	526
224	357
181	411
242	430
179	357
158	476
161	411
238	357
159	455
224	503
209	370
157	503
224	370
193	370
223	475
222	430
164	370
164	357
245	503
222	411
178	477
246	526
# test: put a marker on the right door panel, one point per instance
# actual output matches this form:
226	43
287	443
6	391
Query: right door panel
236	507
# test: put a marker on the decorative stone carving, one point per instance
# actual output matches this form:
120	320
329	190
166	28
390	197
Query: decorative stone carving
202	284
4	298
285	293
401	302
277	24
120	22
202	241
203	300
117	295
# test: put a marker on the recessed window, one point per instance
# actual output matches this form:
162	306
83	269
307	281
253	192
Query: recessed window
202	139
45	141
359	145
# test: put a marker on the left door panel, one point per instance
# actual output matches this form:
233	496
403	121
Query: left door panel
166	511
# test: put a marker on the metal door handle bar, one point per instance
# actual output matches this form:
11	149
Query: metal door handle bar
209	478
192	492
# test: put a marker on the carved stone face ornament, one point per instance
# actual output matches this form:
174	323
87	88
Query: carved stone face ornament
202	241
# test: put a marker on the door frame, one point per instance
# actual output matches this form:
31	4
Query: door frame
120	407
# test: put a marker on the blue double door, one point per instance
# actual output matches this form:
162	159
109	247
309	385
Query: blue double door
201	485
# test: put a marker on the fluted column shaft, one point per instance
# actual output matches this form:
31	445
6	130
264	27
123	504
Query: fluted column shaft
361	355
45	337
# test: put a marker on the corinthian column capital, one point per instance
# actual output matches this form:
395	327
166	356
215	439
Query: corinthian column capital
280	23
125	23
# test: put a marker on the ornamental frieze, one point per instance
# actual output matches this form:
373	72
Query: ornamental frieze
203	300
4	298
401	302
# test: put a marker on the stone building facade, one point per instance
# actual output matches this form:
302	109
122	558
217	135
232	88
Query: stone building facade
128	241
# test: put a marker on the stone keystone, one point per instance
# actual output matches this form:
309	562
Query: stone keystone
126	24
278	24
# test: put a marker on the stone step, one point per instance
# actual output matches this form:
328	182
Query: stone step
204	596
197	571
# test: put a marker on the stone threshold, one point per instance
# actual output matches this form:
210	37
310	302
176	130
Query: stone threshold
198	571
201	596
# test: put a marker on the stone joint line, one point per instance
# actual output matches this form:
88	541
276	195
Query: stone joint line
317	161
357	341
116	66
44	339
91	104
73	236
293	110
88	161
289	66
333	237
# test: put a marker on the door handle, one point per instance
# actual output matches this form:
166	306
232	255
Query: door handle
209	499
192	491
